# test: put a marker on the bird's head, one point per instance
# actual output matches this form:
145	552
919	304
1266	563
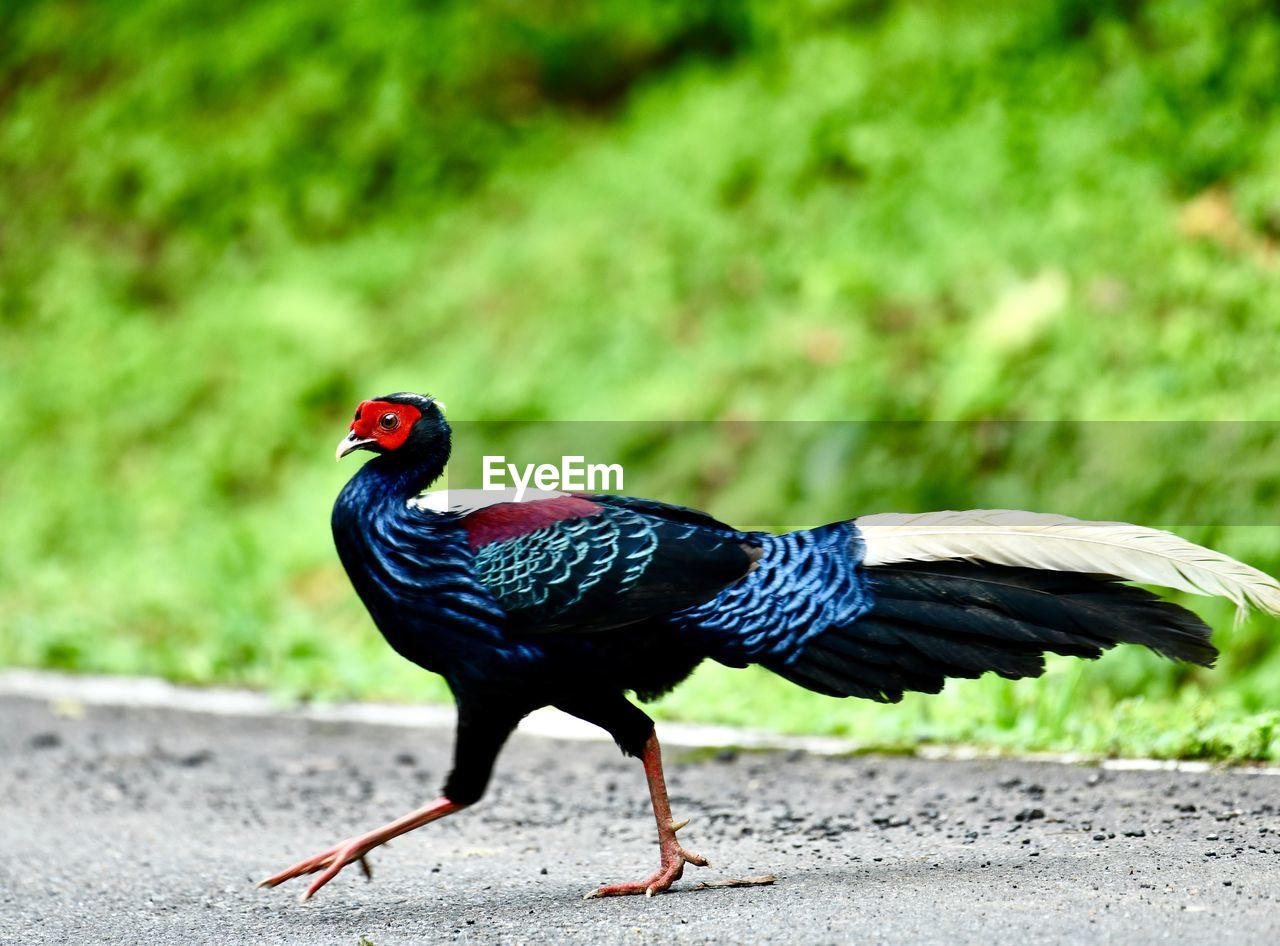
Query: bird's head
401	424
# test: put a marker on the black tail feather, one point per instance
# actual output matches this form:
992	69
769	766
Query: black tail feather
933	620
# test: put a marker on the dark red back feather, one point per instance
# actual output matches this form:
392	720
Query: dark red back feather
509	520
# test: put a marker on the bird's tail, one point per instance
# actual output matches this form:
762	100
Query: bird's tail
956	594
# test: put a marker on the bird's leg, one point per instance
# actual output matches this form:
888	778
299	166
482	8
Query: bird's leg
482	729
674	857
354	849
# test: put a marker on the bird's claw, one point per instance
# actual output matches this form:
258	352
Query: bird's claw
331	862
674	857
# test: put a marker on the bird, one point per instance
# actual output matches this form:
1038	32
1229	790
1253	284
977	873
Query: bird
575	600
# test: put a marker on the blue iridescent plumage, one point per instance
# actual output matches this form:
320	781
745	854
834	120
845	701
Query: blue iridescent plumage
804	583
542	574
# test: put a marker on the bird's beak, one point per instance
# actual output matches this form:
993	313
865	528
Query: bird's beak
351	442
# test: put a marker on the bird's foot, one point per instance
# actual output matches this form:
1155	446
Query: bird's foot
671	868
330	861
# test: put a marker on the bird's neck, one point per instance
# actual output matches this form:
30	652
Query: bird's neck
374	529
389	478
381	487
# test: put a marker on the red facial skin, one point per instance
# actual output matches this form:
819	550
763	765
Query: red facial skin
369	422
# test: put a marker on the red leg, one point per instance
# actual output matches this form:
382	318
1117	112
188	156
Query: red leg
674	857
354	849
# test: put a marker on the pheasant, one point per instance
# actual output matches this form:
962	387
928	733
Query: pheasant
572	601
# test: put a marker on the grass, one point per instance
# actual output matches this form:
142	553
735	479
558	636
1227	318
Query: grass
219	228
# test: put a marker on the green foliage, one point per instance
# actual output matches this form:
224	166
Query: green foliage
223	224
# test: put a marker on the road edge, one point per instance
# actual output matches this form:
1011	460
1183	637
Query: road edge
65	692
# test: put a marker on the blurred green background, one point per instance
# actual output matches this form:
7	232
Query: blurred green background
221	225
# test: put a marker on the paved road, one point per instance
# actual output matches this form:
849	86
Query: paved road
140	826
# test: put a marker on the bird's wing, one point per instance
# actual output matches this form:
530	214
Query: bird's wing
572	563
667	511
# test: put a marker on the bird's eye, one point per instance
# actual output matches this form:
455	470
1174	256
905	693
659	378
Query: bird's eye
388	421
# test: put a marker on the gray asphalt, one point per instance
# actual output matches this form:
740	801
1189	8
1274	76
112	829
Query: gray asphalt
132	826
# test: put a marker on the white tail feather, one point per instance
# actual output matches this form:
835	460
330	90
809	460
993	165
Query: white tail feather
1060	543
